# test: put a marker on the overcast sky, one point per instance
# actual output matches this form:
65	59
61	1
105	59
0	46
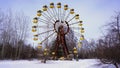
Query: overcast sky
94	13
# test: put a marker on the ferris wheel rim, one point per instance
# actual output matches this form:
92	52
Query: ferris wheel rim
49	15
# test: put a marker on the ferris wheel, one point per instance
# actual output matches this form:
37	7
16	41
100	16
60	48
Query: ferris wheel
56	21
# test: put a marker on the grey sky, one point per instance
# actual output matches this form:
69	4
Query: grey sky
94	13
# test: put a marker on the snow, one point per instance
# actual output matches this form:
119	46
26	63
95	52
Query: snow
83	63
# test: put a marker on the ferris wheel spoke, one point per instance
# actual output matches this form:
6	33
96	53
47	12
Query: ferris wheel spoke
67	16
44	27
71	19
51	14
47	37
77	33
60	15
53	36
63	14
75	28
74	23
45	21
48	17
45	17
45	32
54	13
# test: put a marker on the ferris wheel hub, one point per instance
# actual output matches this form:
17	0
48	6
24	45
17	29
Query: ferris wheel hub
63	24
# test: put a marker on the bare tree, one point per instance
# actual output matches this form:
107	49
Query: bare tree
110	45
6	30
21	28
14	30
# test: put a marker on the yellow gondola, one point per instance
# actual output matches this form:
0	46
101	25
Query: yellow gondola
45	8
35	20
82	37
53	53
51	5
79	44
39	13
45	53
59	5
65	7
75	50
40	43
80	23
82	30
35	38
45	49
34	26
35	35
39	46
71	11
77	16
34	30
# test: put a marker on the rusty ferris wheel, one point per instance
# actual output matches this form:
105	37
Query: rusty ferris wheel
56	21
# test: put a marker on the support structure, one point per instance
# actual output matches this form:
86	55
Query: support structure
61	43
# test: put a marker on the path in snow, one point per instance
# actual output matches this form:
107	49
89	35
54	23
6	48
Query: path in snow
86	63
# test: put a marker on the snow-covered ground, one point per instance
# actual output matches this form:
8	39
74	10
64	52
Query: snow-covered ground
84	63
